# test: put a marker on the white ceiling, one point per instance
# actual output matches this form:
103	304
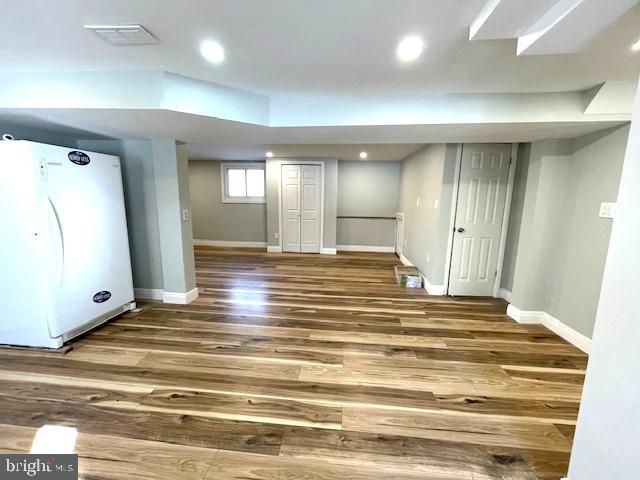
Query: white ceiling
302	47
326	77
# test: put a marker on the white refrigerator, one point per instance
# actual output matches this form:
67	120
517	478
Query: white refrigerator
64	253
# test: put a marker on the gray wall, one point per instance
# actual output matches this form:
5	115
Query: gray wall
594	172
515	215
607	441
367	189
427	175
273	169
215	220
35	134
140	203
562	243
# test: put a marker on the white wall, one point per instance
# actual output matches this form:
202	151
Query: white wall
607	439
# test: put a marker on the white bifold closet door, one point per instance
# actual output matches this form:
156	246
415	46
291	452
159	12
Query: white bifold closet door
301	202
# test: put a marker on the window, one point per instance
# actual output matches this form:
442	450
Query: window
243	182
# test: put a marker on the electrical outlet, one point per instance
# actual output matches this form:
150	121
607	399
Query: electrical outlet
276	235
417	201
436	204
428	258
185	215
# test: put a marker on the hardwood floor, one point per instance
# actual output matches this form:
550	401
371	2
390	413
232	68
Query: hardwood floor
304	367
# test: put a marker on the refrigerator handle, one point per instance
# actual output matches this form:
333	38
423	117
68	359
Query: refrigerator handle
59	240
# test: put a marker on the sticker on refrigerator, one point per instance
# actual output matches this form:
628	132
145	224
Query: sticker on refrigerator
102	296
79	158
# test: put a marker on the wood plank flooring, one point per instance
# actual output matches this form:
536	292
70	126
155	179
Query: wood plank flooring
304	367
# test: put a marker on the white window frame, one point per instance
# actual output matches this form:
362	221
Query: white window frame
241	166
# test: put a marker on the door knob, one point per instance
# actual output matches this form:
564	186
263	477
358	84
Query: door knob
460	229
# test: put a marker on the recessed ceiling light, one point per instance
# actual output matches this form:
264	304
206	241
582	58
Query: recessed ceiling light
363	155
269	154
636	46
410	48
212	51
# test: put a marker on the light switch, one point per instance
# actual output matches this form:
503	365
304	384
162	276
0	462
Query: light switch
417	201
607	210
436	204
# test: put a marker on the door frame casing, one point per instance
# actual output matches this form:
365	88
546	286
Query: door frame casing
280	202
505	218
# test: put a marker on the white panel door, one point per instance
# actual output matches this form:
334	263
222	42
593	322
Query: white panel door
82	205
291	208
310	213
481	197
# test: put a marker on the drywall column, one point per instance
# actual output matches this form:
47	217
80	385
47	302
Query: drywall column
176	239
542	221
607	439
330	224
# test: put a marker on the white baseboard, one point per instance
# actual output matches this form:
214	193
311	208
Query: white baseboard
431	288
180	298
569	334
525	316
365	248
148	293
328	251
428	286
505	294
228	243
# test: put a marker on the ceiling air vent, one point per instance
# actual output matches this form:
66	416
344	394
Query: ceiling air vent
123	34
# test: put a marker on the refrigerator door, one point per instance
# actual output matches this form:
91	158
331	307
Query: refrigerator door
82	207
